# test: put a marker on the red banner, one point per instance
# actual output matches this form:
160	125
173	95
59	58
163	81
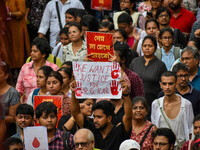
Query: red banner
102	4
57	100
100	45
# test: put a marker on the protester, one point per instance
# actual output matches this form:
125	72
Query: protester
89	23
106	135
190	57
184	88
155	4
77	49
149	68
129	145
163	16
26	81
42	74
122	55
68	123
9	98
67	77
13	143
54	83
52	22
178	14
46	115
138	18
168	53
196	131
24	118
163	139
19	34
173	111
126	22
84	139
151	28
64	40
141	128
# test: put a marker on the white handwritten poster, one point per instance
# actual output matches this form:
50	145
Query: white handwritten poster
97	80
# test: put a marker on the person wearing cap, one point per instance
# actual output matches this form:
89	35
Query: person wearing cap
129	145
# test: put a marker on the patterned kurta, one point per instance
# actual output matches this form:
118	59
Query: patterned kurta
148	142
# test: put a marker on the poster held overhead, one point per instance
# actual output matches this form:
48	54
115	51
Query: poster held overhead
97	80
101	4
100	45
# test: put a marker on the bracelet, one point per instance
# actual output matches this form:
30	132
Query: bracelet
125	95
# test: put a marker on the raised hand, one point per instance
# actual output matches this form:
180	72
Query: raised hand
78	89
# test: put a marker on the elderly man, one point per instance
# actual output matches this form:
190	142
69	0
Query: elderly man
84	139
190	57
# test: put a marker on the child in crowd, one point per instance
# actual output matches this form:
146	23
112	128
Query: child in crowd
64	40
46	115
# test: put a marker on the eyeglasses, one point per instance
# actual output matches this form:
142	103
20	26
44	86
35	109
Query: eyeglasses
167	37
2	63
186	58
83	144
183	76
161	16
121	1
161	144
156	1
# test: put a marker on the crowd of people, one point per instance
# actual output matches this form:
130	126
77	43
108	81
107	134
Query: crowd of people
155	42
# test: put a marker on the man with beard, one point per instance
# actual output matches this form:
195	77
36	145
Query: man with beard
163	139
181	18
163	16
172	110
24	118
185	89
107	136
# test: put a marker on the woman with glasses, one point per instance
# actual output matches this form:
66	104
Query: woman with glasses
141	128
168	53
9	98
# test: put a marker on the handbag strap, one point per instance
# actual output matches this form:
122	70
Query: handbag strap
59	20
144	137
179	144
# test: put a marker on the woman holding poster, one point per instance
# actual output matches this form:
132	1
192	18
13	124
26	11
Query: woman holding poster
77	49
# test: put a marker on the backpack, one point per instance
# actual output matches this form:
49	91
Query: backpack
176	53
66	139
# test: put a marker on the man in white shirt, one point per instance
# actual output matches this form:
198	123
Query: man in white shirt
50	18
173	111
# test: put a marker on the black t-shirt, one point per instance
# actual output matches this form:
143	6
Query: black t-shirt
114	138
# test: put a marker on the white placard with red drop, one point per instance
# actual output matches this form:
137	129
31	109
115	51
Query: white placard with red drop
35	138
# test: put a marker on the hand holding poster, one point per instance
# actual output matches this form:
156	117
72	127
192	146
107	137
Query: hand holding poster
100	45
102	4
97	80
57	100
35	138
